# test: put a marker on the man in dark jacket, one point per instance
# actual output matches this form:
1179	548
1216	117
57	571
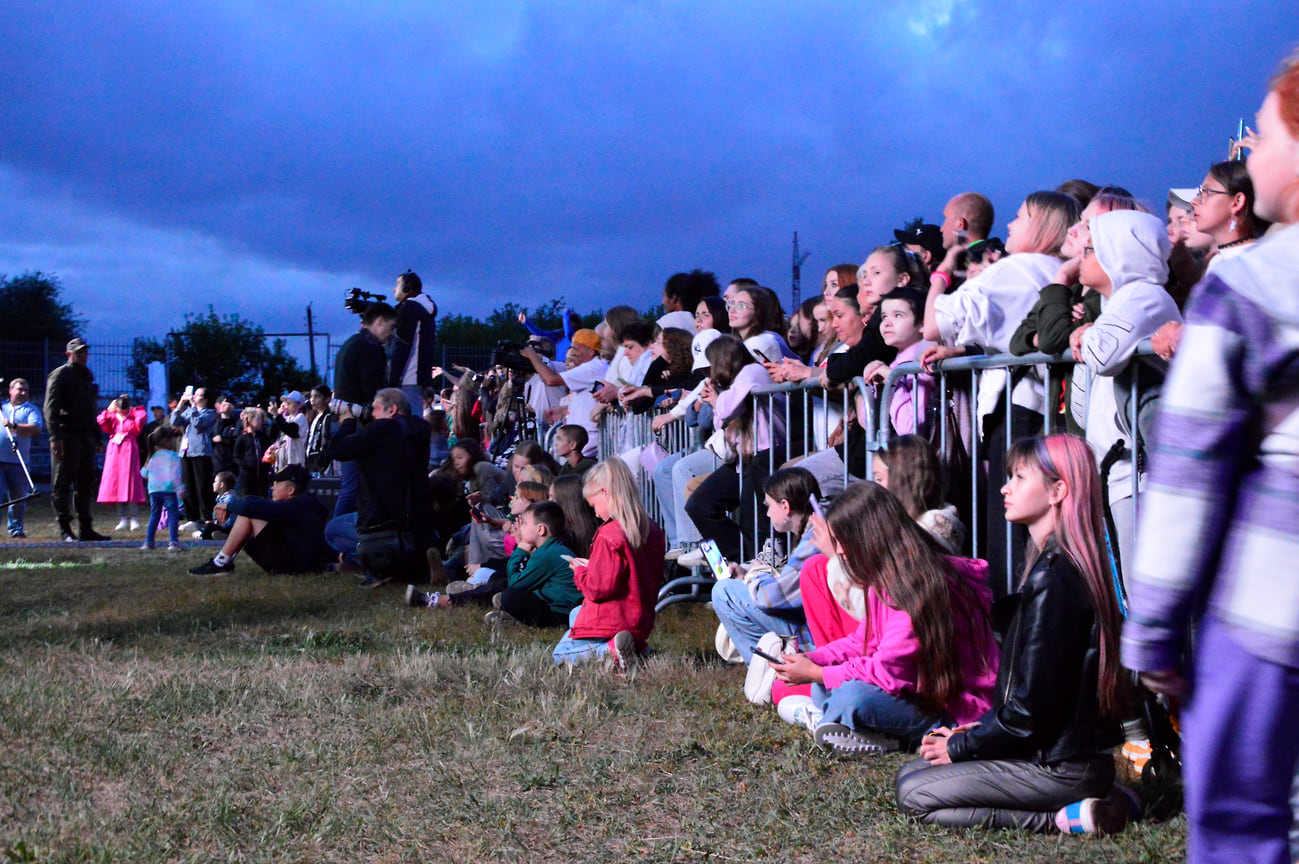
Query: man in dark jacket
388	453
414	342
71	405
359	371
283	534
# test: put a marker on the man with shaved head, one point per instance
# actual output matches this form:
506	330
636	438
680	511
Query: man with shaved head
967	217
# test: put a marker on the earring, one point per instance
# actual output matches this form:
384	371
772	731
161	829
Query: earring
1231	226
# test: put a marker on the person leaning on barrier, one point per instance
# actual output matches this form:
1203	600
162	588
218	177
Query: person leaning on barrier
587	369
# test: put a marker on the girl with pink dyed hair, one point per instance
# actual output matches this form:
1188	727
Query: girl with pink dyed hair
1039	759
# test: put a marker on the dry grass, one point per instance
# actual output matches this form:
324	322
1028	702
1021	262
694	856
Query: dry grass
152	716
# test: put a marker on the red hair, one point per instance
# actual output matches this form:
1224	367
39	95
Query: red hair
1285	84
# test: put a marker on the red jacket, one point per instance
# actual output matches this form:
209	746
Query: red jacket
620	585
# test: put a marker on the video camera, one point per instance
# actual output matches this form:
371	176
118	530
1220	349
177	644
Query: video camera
507	354
358	301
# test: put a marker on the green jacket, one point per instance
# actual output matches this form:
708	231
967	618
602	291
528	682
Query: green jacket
546	574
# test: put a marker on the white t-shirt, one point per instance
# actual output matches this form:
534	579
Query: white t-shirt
581	378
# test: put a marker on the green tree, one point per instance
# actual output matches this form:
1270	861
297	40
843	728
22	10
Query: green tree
227	355
31	308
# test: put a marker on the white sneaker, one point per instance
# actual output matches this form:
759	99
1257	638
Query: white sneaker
799	710
121	526
173	547
197	535
693	558
135	524
188	525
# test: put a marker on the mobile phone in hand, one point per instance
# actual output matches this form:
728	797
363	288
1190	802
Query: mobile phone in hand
765	656
816	506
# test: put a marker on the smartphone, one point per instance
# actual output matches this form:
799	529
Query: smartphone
764	357
816	506
189	391
713	557
566	558
765	656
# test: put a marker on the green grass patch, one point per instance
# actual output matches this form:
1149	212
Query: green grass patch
152	716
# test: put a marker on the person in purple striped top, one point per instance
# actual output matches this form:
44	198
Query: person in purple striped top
1219	534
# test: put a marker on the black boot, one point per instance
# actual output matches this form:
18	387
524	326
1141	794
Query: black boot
65	531
90	535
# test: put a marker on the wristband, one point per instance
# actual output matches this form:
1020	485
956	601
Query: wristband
947	280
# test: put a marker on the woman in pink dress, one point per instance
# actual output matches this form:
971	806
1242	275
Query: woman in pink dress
121	483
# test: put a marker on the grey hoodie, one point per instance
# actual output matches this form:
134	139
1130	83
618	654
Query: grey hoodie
1132	248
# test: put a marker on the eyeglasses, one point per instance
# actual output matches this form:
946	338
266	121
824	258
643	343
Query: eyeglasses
1203	192
742	305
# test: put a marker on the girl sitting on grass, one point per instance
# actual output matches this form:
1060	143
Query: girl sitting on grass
1043	746
620	581
923	654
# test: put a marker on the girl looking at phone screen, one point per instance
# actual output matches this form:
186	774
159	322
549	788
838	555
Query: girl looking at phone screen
923	653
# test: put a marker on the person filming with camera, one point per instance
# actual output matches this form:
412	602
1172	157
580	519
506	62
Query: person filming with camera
359	373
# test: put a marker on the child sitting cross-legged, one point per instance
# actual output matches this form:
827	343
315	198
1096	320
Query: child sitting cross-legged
767	600
923	654
620	581
223	486
541	592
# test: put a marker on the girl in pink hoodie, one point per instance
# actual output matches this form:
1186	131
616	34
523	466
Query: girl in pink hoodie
924	651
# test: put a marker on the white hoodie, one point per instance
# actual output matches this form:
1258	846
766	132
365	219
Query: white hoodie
1132	248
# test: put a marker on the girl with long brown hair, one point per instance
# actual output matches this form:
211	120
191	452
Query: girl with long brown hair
1038	758
923	654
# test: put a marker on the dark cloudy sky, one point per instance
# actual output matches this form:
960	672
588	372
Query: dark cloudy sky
259	155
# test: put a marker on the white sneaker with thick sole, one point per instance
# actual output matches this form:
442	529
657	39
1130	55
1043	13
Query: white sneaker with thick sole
135	524
799	710
693	558
120	526
847	741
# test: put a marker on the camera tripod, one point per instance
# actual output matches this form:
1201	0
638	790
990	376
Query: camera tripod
31	486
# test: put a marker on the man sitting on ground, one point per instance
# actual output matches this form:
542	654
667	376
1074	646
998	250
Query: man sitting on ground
283	534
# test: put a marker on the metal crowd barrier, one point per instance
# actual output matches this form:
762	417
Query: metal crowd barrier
977	365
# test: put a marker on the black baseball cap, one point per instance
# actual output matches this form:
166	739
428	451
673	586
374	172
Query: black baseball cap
295	474
927	237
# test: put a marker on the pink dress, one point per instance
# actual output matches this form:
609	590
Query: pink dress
121	483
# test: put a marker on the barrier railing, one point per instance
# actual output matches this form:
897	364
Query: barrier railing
1045	365
802	417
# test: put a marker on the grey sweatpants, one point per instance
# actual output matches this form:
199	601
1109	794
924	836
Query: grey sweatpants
1000	794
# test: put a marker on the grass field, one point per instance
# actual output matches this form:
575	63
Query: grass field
148	715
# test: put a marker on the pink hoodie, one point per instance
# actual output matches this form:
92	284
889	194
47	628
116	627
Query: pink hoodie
889	659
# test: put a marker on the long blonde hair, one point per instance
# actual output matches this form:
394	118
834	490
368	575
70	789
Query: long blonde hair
625	508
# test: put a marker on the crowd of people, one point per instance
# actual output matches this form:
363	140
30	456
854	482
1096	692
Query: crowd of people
858	604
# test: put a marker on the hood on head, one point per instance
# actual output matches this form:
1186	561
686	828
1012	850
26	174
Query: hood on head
1131	246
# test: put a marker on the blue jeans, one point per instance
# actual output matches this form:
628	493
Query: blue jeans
340	535
747	623
867	708
13	484
158	501
348	484
670	478
570	650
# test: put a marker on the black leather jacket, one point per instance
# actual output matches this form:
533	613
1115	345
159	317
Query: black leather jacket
1045	708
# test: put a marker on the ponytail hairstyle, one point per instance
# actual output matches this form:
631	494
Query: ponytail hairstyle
884	550
1080	534
625	507
1234	177
905	261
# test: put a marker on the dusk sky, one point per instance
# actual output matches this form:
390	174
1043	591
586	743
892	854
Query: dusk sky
159	157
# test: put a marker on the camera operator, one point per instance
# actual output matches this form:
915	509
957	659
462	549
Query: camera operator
390	456
359	372
411	362
539	396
